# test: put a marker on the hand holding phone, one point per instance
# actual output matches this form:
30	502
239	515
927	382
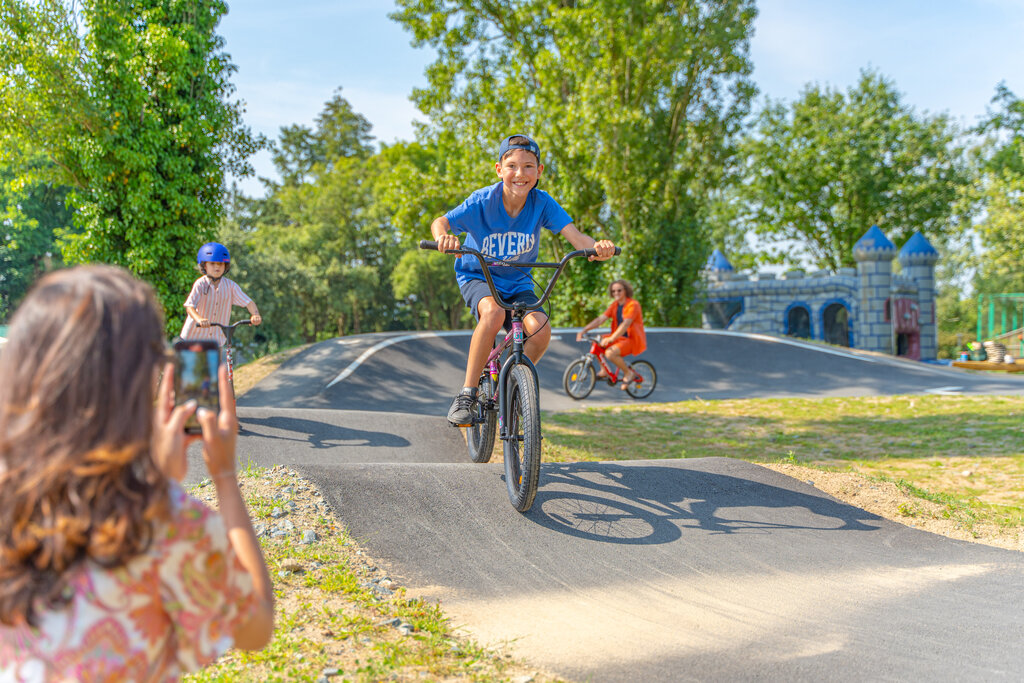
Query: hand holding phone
196	377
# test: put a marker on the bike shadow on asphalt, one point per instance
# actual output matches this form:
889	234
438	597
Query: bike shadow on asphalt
651	504
318	434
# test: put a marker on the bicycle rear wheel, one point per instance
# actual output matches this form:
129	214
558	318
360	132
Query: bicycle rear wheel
522	447
579	378
480	436
648	379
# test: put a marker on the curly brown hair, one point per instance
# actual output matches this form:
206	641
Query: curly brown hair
76	415
625	285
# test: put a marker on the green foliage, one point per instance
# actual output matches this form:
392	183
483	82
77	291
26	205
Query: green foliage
425	281
821	172
956	320
31	215
317	253
633	104
1000	192
130	103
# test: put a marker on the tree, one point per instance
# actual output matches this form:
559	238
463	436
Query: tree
330	248
130	102
633	103
31	216
823	171
999	195
426	283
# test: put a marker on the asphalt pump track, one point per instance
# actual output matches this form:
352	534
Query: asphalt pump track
667	570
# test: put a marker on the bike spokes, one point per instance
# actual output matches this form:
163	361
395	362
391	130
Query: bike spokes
647	377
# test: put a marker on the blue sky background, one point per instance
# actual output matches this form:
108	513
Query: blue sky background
944	56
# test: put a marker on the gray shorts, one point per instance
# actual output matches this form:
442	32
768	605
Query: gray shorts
475	290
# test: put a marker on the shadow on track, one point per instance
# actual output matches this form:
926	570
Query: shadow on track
314	433
653	504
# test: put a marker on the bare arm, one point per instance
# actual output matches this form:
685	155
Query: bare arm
194	314
596	322
619	331
441	230
254	313
605	248
220	432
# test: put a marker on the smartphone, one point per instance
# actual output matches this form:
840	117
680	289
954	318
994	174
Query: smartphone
195	376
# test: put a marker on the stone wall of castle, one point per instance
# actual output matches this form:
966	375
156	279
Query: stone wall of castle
863	291
767	299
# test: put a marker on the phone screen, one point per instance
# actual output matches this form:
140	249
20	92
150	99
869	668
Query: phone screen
195	376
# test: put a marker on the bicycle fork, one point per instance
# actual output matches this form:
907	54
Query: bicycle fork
516	357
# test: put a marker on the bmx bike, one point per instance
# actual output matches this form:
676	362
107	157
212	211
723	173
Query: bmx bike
508	395
580	375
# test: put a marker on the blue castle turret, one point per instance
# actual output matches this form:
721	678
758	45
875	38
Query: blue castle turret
717	264
874	254
917	258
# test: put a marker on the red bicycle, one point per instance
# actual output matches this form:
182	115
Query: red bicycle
581	374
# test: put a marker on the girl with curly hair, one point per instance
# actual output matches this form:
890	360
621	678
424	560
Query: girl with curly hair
109	570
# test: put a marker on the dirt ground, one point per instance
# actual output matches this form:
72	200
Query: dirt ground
886	500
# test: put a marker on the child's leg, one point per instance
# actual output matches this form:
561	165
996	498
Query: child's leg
492	317
539	332
614	354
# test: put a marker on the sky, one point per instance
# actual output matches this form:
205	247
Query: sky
944	56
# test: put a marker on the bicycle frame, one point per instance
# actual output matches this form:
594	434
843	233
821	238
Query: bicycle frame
229	333
514	338
597	351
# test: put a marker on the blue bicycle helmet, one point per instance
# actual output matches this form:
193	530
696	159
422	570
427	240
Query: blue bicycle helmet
212	251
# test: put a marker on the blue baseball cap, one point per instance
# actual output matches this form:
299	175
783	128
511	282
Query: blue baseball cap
507	147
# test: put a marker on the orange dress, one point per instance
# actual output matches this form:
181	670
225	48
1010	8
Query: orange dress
634	342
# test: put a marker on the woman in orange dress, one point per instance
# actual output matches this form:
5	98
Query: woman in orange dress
627	337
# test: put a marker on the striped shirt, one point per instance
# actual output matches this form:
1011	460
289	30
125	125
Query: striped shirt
212	302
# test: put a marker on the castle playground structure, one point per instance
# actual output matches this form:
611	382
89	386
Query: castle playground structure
851	307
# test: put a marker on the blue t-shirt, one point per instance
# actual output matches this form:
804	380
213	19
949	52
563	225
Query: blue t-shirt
489	229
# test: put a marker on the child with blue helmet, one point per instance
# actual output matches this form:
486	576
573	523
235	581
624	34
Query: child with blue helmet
505	220
213	295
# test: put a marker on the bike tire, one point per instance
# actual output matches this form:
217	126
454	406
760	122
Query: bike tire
649	376
480	436
522	448
579	378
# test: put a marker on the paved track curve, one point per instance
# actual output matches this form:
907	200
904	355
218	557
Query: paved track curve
705	569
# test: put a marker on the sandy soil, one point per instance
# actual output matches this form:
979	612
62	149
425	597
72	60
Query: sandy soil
886	500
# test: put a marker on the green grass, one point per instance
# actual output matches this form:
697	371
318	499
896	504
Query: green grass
965	452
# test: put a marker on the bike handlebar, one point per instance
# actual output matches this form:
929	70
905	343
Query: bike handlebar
233	325
484	265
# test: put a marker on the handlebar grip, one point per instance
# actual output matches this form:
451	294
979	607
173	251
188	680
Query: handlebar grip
593	252
428	244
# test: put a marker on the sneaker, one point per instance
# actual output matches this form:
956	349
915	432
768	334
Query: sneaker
461	412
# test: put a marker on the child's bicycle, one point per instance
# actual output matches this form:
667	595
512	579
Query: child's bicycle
507	394
581	374
229	333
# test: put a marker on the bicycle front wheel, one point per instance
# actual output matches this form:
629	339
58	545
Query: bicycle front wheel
579	378
480	436
522	443
648	378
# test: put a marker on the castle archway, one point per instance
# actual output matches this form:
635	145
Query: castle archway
835	324
798	321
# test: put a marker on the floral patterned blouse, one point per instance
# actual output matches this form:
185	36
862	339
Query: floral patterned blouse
170	610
